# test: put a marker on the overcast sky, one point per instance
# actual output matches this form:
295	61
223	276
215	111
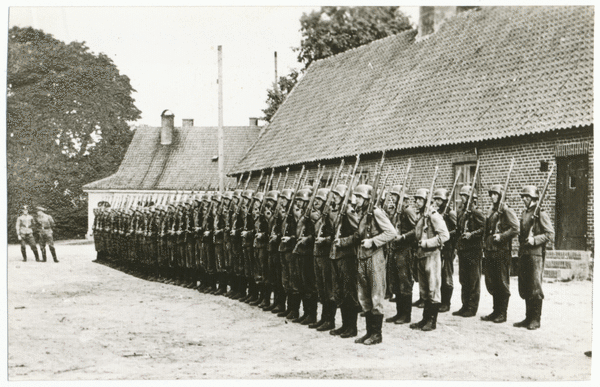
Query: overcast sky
170	53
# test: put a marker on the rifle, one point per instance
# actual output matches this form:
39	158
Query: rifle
262	205
328	179
311	202
374	196
451	194
503	195
402	194
329	199
278	181
470	200
291	203
427	209
538	206
287	170
337	225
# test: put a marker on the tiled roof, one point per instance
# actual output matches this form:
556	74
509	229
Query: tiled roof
492	73
185	164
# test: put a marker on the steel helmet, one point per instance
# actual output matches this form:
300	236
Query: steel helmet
531	191
272	195
466	190
322	193
440	193
237	193
206	196
247	194
216	197
363	190
396	190
422	193
259	196
496	188
340	189
287	193
303	194
228	195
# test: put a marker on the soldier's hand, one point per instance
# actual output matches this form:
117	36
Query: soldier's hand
232	232
423	244
18	236
285	239
367	243
319	240
179	232
244	233
206	233
303	240
467	235
337	242
530	241
496	237
400	238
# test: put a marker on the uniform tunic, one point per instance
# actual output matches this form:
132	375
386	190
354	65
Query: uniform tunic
45	224
470	254
401	253
25	224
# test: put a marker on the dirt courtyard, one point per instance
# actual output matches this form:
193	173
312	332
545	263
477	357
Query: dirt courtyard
79	320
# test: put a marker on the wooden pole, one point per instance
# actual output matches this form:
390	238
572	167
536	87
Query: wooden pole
221	160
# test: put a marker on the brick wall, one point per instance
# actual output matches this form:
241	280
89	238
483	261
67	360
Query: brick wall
495	157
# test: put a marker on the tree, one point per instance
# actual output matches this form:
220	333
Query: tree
277	95
333	30
67	124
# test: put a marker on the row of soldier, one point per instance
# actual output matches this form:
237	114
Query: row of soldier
342	246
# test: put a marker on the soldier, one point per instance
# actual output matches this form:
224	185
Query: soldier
430	234
501	226
401	256
247	235
273	272
374	231
344	266
534	233
261	257
25	224
221	202
285	250
227	273
45	223
236	223
440	196
292	277
469	249
322	263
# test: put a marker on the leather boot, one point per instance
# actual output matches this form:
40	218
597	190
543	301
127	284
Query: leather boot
446	298
431	324
406	305
502	308
301	318
222	284
329	323
280	301
352	329
247	287
266	297
35	253
536	314
294	306
43	249
398	311
312	311
525	323
256	294
231	282
420	303
376	324
424	320
345	317
494	314
24	253
369	323
240	290
323	318
276	296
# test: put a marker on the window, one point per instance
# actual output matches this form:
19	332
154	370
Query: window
467	174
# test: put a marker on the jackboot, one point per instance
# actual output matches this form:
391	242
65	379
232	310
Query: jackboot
254	290
280	303
376	324
246	289
420	303
294	305
446	298
399	311
301	318
24	253
496	311
266	299
430	325
345	322
240	290
37	256
425	318
329	323
352	329
503	307
406	306
323	318
231	282
369	323
312	311
43	249
276	296
525	323
222	284
536	314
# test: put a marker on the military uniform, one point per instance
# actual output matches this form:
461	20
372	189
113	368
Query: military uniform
25	225
503	223
45	223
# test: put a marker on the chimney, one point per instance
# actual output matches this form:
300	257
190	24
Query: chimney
167	127
253	121
432	18
187	122
426	20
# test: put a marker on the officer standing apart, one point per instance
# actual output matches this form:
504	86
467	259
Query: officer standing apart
534	234
374	231
24	226
45	224
501	226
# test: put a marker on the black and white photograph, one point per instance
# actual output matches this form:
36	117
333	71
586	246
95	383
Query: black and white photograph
293	193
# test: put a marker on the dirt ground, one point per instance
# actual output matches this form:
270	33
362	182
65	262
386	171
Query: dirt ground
79	320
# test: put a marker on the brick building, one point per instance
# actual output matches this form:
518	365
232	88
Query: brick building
167	159
492	82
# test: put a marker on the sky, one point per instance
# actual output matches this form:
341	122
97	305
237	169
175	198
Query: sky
170	54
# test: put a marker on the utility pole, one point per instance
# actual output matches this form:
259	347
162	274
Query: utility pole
221	157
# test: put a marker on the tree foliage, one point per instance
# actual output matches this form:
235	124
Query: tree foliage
333	30
67	125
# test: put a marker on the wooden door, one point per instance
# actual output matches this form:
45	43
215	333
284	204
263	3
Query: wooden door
467	174
571	202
